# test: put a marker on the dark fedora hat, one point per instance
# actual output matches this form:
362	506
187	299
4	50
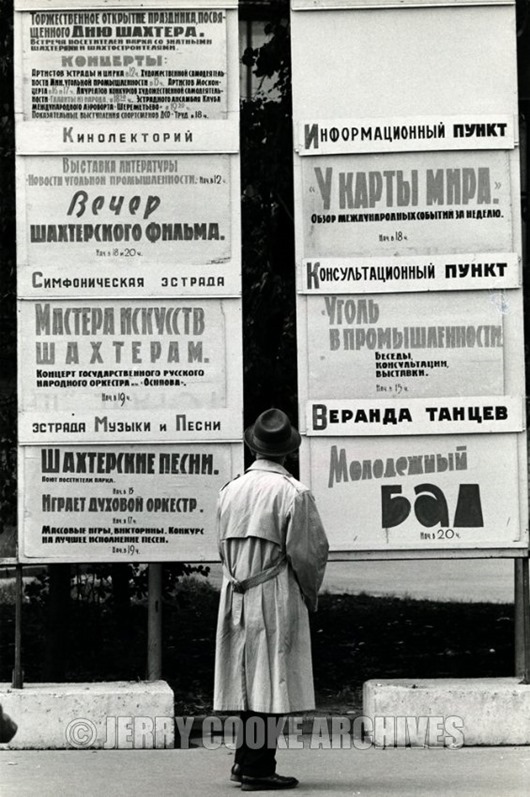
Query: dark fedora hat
272	434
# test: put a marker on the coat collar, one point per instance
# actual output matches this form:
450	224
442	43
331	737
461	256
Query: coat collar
268	465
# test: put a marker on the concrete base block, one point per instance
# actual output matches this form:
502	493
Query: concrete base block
447	712
114	715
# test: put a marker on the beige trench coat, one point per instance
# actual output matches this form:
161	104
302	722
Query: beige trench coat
263	647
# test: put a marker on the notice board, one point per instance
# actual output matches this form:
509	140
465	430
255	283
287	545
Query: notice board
409	296
129	276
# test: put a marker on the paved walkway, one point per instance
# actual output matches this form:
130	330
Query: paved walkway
468	772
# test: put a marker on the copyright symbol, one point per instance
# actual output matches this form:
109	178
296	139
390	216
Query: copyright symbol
81	733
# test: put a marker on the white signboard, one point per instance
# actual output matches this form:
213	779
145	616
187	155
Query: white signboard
407	60
483	415
309	5
408	253
124	226
428	493
407	203
107	371
142	78
416	134
109	138
124	64
406	346
122	503
465	271
129	311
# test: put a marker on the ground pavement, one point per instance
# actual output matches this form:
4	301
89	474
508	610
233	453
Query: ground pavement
465	772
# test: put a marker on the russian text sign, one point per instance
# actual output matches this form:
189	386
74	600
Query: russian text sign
107	138
128	227
127	64
388	345
116	370
409	273
418	493
114	226
122	503
464	271
480	414
402	204
139	78
358	136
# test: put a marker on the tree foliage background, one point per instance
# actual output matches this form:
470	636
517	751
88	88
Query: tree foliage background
269	326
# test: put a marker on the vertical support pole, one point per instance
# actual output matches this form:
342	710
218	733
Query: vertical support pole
522	620
19	588
154	622
248	81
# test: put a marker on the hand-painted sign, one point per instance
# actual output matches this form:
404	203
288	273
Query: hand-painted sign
409	273
150	225
406	345
482	414
463	271
356	136
126	64
122	503
422	493
407	203
110	371
127	132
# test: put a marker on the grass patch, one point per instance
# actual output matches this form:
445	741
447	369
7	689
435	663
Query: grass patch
354	637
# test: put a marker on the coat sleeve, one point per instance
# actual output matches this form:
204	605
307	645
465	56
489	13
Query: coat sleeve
218	526
306	546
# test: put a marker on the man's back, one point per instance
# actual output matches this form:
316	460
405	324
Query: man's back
274	551
259	503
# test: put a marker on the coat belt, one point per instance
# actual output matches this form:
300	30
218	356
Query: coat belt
259	578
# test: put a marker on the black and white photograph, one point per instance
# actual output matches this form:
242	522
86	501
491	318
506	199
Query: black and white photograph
263	367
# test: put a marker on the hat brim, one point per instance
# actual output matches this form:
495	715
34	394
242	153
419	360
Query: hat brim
259	447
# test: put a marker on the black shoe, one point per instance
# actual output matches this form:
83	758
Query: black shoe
235	773
267	783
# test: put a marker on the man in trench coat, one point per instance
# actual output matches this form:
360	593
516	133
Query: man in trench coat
274	552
